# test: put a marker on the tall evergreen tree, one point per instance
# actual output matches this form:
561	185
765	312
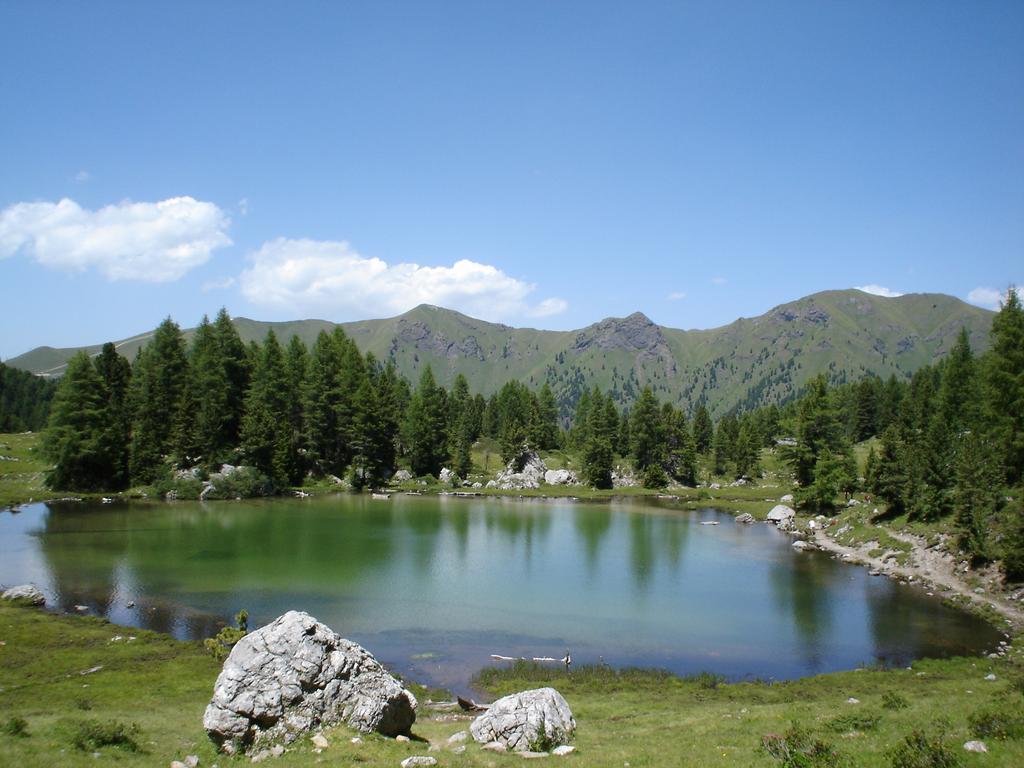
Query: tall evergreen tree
548	418
323	432
76	439
426	416
597	450
116	373
216	421
1004	376
158	386
703	429
267	436
646	431
237	369
681	459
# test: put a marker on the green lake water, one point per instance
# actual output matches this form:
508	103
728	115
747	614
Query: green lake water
433	586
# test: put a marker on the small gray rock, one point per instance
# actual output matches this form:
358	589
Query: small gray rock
746	517
563	750
975	746
494	746
415	760
455	738
192	761
25	593
320	741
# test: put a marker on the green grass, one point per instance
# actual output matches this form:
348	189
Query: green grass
145	706
21	480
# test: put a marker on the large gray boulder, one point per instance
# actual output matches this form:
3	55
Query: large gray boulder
781	515
296	674
524	722
28	594
560	477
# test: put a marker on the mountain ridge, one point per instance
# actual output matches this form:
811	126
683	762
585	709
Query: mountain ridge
750	361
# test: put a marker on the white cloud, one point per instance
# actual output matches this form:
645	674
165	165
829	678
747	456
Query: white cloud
218	285
82	176
990	298
310	276
879	290
676	295
152	242
719	280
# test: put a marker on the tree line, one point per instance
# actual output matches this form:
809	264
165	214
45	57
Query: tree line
24	400
287	410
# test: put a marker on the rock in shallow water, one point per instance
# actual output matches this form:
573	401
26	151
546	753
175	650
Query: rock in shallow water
296	674
525	721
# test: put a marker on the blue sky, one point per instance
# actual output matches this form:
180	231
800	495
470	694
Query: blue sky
543	164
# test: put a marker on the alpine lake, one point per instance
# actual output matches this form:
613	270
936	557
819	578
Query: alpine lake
434	585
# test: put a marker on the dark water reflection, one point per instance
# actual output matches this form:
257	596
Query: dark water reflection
433	586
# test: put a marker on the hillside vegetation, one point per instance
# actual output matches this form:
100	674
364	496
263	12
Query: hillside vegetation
757	361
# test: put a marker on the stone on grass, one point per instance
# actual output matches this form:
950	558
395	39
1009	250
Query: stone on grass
975	746
781	513
320	741
192	761
526	721
28	594
494	746
295	675
455	738
563	750
415	760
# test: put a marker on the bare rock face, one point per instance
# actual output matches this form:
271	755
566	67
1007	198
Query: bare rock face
525	722
560	477
296	674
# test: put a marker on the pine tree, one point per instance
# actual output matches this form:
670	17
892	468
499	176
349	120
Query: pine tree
703	429
681	448
597	451
646	431
237	371
116	373
323	435
267	438
426	417
462	458
548	417
211	389
158	384
1004	376
976	495
747	452
890	477
76	438
725	443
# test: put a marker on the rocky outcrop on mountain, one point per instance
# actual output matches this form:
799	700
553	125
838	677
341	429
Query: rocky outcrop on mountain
636	334
296	674
419	335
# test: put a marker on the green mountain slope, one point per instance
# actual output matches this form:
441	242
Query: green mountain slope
752	361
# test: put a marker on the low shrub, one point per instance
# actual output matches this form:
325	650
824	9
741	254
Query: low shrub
91	735
924	749
998	724
894	701
220	645
706	680
858	721
16	726
797	748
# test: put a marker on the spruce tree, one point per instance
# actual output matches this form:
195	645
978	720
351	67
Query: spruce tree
211	390
703	429
158	384
646	431
1004	374
116	373
323	434
597	451
426	417
548	416
976	495
76	438
237	371
267	439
